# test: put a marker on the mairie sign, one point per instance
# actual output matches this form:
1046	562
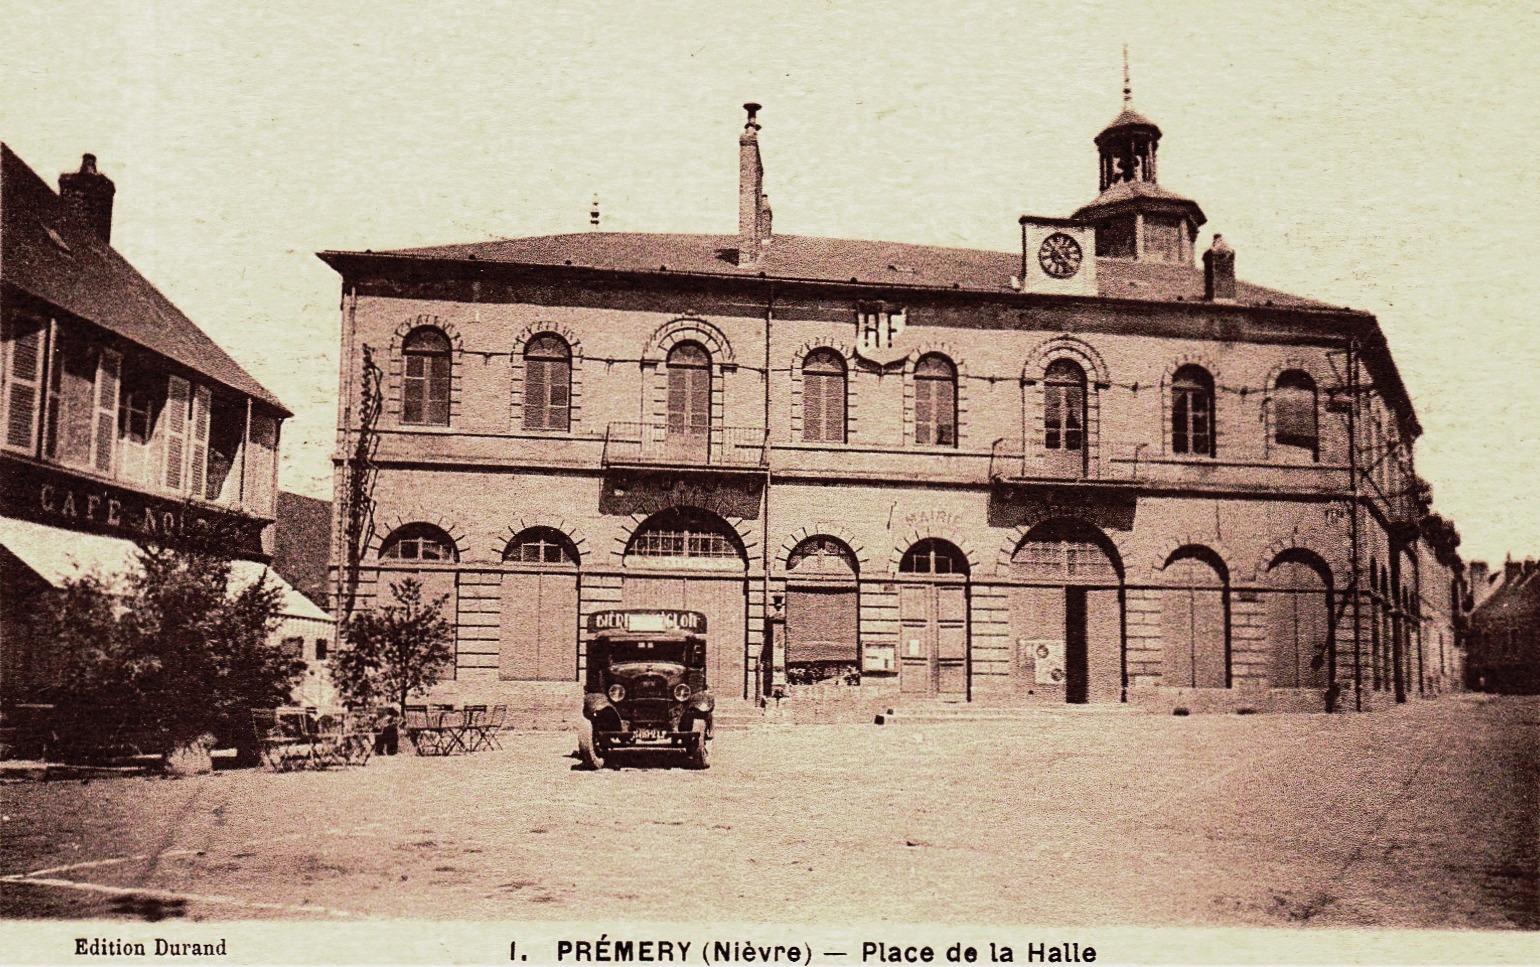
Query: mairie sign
648	619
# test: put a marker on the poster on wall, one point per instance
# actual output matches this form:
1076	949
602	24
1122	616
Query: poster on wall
1048	657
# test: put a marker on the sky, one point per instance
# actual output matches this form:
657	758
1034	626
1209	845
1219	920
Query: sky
1372	155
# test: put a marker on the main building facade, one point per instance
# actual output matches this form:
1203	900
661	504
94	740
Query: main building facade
1087	471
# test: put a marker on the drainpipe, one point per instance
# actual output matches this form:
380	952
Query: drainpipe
769	643
1357	564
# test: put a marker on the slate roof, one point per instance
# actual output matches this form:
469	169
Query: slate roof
807	258
45	252
1130	192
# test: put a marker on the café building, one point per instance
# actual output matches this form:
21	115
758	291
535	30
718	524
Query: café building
120	419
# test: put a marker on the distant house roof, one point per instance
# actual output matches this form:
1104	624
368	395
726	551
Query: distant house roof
808	258
1517	599
302	543
46	252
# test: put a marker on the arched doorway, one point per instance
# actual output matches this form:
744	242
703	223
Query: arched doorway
1299	632
933	621
693	560
538	626
1067	613
822	624
1195	620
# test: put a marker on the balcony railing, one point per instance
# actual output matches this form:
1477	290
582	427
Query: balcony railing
659	445
1013	461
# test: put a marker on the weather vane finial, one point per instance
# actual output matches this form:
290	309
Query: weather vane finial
1128	87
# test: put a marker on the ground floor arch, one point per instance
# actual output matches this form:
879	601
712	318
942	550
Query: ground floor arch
933	621
694	560
1066	608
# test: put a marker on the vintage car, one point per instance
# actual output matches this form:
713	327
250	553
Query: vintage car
646	686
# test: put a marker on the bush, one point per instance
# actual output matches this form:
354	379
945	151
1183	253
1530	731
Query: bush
166	656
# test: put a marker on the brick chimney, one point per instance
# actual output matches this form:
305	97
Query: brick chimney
1511	570
1219	271
88	194
753	205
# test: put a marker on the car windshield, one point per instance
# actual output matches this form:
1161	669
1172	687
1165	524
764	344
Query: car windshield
671	651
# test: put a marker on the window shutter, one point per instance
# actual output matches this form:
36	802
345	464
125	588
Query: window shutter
813	419
946	412
199	451
25	389
700	399
178	392
108	372
559	395
537	392
924	412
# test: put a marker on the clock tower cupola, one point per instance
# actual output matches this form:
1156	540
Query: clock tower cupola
1134	217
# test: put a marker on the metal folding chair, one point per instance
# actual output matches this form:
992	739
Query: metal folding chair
475	728
422	730
495	722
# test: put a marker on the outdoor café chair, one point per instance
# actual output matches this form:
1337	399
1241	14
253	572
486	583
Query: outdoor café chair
495	725
282	739
422	730
452	731
475	728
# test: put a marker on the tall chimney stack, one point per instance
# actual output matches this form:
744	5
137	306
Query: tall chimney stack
88	193
1219	271
753	207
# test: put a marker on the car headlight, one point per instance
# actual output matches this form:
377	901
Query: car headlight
617	692
682	692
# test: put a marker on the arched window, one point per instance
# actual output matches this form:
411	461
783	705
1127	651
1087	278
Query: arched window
1066	551
935	401
823	397
1294	412
418	542
1192	411
685	533
540	545
933	556
689	391
1064	406
547	383
821	558
425	382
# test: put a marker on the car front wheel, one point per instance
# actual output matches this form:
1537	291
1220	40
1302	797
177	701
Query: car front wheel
700	745
589	746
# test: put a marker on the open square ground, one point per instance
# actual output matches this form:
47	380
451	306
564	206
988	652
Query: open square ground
1421	816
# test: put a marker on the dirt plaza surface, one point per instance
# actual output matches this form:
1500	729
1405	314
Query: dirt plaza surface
1420	816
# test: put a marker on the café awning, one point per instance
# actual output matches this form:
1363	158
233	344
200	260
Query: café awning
57	555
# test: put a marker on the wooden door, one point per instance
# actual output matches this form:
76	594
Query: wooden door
723	601
1194	632
1104	645
1037	623
933	640
538	627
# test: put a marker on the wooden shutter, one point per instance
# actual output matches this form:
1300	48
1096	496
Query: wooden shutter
821	625
537	394
108	374
198	451
558	394
178	394
24	389
813	416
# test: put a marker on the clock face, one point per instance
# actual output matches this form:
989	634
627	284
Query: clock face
1059	255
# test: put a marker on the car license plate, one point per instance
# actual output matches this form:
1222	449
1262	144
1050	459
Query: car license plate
649	735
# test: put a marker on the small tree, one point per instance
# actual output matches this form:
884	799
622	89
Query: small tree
166	655
396	651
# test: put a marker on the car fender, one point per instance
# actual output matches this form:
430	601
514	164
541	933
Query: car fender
703	703
595	704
